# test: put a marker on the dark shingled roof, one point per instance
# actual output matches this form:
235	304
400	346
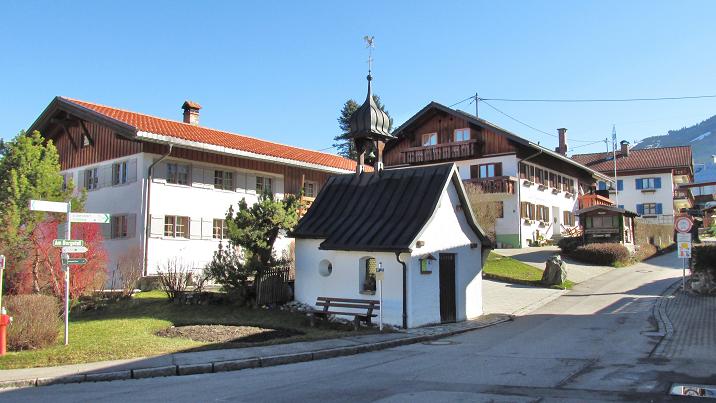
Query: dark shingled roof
380	212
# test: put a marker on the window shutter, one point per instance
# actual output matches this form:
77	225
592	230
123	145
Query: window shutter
132	170
197	176
114	174
105	176
251	184
621	206
639	207
659	209
620	184
106	230
207	228
498	169
474	171
160	172
657	184
239	182
277	187
131	225
81	180
639	184
156	228
194	228
602	185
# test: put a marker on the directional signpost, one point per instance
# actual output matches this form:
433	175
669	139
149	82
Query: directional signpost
67	244
683	225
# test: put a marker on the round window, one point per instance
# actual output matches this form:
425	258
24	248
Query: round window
325	268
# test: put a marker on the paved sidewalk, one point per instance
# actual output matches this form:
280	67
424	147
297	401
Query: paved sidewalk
515	299
235	359
690	326
576	271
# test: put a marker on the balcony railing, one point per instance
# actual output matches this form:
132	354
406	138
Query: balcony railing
590	200
441	152
684	194
496	184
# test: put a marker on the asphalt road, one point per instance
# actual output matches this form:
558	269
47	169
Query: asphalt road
593	344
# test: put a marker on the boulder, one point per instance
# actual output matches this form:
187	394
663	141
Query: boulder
555	271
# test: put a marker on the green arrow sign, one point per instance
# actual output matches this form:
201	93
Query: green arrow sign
90	217
76	261
59	243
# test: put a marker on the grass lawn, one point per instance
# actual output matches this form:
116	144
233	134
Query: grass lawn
126	329
507	269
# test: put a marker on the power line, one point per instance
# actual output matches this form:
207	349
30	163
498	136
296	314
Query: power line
517	120
600	100
588	144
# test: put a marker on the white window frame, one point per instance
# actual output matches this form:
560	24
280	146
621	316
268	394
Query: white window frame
219	228
648	183
310	188
223	180
171	222
264	183
174	175
119	226
119	173
650	211
462	134
92	178
429	139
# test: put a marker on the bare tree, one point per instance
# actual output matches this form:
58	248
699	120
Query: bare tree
129	270
174	276
487	208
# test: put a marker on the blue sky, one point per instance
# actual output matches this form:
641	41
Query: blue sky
282	70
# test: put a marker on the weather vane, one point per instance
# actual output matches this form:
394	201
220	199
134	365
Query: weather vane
369	44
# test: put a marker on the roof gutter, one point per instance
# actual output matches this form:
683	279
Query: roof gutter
147	223
405	290
160	138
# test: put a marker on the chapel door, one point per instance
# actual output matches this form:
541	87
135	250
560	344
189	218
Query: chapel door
447	288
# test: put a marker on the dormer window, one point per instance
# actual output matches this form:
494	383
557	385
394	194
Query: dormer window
461	134
430	139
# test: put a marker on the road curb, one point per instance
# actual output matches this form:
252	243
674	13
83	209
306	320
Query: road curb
236	365
665	327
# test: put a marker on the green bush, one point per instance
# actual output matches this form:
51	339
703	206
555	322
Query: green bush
35	321
645	251
569	244
601	253
704	258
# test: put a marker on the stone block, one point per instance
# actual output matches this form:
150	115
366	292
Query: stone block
235	365
155	372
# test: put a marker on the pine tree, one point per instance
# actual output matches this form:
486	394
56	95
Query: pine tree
342	143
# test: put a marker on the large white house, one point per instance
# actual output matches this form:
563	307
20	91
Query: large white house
648	180
535	188
168	184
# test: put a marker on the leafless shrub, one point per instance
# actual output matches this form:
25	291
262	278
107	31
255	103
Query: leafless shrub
129	270
487	208
35	322
174	276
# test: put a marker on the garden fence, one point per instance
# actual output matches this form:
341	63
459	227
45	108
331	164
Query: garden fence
274	286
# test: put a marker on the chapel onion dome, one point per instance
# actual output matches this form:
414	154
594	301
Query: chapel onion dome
369	121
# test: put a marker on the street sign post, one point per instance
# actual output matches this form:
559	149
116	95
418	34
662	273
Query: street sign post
90	217
683	241
74	249
60	207
379	276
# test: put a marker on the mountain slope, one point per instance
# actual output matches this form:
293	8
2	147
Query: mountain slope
701	137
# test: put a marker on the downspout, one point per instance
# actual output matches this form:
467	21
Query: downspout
405	290
150	176
519	185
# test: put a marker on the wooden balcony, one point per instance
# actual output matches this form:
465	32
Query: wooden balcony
497	184
684	196
304	203
441	152
590	200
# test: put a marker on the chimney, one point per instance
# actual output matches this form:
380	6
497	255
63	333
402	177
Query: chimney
191	112
713	159
562	149
625	148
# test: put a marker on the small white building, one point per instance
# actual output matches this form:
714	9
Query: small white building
415	223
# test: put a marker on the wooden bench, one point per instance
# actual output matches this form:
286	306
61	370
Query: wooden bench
364	307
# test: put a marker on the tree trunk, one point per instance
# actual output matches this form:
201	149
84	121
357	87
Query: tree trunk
35	273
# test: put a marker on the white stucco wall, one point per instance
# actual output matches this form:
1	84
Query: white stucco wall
446	232
630	196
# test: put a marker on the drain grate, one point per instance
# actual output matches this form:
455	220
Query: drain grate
708	391
439	343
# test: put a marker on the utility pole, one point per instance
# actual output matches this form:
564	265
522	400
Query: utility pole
477	105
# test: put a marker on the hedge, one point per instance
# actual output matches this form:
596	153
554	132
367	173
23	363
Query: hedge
704	258
601	253
569	244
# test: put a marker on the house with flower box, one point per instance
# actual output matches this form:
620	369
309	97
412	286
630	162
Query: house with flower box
535	188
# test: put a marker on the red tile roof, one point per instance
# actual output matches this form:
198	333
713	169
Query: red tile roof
651	158
184	131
